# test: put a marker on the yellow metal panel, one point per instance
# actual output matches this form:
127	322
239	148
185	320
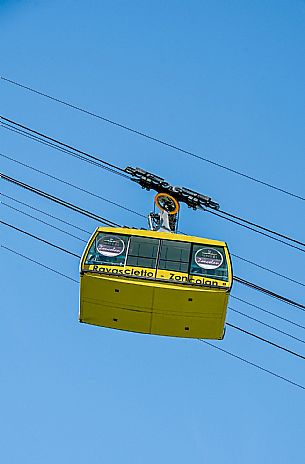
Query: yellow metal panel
152	307
196	313
110	302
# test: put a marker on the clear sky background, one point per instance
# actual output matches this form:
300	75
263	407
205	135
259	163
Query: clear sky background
226	80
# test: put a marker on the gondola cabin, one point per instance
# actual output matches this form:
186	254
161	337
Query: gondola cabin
155	282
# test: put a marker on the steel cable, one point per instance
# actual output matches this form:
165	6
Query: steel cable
154	139
257	366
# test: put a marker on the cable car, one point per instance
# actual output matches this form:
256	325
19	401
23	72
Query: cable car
156	281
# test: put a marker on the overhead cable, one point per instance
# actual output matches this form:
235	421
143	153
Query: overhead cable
43	222
110	223
53	140
266	325
40	239
222	214
262	228
59	201
252	364
155	139
228	324
268	312
133	211
39	264
294	353
71	185
216	213
232	309
59	148
267	269
269	292
203	341
45	213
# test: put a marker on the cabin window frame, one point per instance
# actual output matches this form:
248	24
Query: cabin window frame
105	262
157	259
205	272
180	262
153	258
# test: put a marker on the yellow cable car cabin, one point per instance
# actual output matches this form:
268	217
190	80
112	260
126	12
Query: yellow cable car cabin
155	282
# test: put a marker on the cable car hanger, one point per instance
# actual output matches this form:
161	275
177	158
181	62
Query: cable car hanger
157	281
167	199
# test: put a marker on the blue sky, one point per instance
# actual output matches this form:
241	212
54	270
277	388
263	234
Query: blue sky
223	79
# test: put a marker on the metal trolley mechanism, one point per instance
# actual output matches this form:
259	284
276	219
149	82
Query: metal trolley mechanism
168	199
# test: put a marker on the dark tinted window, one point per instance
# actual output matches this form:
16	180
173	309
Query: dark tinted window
142	252
108	249
209	261
174	256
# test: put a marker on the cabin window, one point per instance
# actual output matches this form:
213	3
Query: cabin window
142	252
108	249
209	261
174	256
